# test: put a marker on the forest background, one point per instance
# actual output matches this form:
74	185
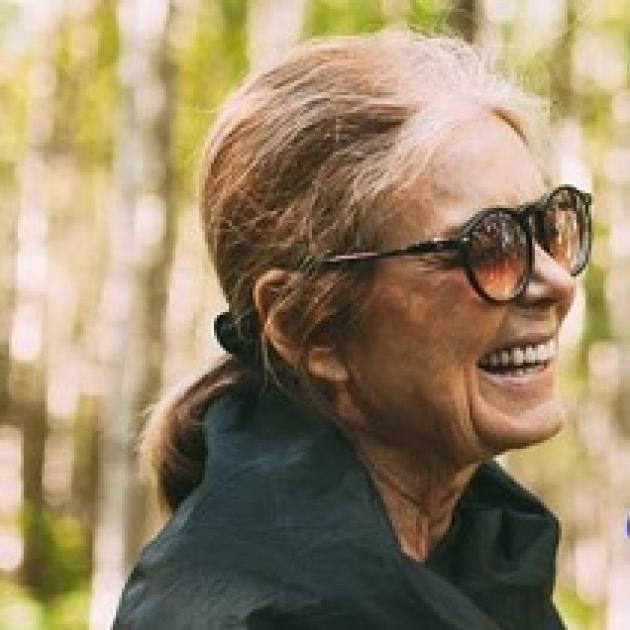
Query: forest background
107	297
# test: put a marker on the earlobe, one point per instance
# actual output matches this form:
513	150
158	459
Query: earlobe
323	362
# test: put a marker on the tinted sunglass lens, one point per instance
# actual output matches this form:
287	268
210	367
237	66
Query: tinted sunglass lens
498	256
565	229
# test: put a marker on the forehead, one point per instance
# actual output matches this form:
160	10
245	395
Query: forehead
482	164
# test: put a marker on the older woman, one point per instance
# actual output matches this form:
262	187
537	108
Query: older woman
397	267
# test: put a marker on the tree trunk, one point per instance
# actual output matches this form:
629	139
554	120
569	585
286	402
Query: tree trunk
464	18
134	297
27	376
29	405
157	200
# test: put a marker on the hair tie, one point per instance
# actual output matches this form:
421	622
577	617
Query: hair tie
241	344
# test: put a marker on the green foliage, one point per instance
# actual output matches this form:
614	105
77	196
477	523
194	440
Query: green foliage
342	17
206	67
597	316
427	15
88	94
576	612
19	611
64	552
13	97
69	610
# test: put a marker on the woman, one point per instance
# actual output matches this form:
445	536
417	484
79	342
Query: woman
397	267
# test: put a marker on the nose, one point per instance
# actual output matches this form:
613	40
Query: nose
550	284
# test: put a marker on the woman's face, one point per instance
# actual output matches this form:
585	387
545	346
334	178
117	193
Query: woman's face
415	376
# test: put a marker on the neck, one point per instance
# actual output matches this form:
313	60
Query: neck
419	495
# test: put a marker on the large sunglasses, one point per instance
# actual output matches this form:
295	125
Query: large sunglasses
496	246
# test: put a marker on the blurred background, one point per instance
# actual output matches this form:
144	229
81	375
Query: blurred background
107	297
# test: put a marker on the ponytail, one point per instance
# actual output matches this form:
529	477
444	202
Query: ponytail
172	445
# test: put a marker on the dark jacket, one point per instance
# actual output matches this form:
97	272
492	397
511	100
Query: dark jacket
286	531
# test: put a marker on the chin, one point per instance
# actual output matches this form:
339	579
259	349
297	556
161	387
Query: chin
511	412
500	429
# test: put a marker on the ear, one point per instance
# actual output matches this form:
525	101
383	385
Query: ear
265	293
322	361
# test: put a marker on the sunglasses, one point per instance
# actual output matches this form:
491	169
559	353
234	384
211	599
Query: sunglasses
496	246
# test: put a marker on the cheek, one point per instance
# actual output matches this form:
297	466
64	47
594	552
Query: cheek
426	337
444	321
415	362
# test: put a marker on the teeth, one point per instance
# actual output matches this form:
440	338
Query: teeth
520	356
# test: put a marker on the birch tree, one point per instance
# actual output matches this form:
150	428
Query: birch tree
27	375
134	293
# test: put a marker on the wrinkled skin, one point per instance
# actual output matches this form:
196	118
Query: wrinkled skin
420	411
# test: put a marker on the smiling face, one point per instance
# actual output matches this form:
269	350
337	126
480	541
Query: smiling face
422	371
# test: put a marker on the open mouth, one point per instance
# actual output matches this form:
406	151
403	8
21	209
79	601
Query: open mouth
519	360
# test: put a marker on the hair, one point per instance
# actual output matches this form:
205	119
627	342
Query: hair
300	165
